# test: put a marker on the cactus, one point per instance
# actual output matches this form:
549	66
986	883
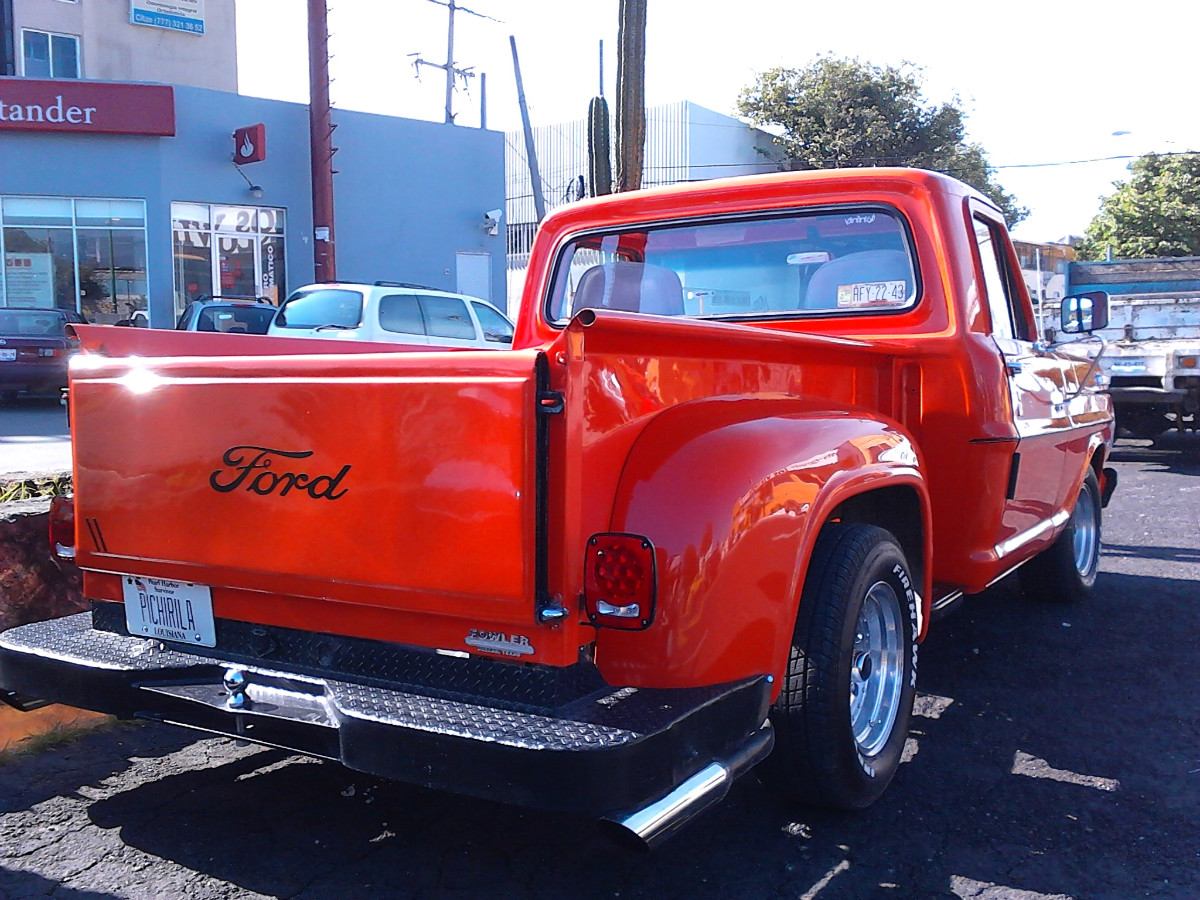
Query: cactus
631	94
599	149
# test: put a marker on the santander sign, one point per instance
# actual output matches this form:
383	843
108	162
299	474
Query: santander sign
90	107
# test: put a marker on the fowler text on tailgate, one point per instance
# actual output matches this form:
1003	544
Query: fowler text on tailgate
752	435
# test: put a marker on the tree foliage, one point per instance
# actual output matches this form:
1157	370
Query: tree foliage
1155	213
847	113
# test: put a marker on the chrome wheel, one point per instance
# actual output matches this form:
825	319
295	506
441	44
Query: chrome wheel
1086	532
876	669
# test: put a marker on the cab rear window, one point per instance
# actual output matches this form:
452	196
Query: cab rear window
852	261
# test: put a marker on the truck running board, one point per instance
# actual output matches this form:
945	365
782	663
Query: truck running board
647	758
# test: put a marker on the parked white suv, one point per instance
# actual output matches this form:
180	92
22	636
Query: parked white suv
392	312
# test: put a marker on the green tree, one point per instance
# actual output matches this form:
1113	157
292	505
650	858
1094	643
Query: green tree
847	113
1155	213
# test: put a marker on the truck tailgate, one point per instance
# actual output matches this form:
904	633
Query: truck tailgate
403	481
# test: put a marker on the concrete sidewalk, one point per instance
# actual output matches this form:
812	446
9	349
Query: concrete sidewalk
34	439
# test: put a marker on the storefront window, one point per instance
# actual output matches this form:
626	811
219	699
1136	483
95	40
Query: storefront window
272	269
39	267
84	255
118	213
36	211
235	259
112	273
229	251
192	253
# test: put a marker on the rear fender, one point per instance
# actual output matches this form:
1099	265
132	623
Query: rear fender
733	493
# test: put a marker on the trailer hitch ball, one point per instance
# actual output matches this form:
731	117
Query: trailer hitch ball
236	681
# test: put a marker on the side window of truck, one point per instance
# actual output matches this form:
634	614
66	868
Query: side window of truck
1007	321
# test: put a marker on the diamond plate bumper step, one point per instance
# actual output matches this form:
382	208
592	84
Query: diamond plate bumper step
601	752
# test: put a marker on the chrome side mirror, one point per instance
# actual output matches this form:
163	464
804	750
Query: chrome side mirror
1083	313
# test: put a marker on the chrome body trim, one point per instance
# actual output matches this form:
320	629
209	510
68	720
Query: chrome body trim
1020	539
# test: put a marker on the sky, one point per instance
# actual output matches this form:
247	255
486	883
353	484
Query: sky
1042	82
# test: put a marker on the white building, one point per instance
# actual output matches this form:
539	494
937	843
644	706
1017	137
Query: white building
188	42
684	142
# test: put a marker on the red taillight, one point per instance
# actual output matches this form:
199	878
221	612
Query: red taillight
62	527
620	581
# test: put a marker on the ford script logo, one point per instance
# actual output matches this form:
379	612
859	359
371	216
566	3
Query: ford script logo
263	470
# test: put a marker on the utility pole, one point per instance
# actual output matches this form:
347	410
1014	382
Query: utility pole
631	94
452	71
321	149
535	178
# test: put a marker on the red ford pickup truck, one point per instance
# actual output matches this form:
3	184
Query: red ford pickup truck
751	436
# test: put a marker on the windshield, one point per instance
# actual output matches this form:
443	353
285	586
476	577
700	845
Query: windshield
324	306
236	319
851	261
31	322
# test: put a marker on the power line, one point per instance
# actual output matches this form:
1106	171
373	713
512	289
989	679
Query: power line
1080	162
451	69
895	160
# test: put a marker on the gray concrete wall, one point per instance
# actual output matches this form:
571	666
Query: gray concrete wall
411	195
114	49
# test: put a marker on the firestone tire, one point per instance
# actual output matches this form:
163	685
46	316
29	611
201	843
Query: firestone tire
842	716
1065	572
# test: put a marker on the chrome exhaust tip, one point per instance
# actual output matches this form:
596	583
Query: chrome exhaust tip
649	826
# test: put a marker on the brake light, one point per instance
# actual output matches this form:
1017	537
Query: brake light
72	337
47	351
62	527
620	581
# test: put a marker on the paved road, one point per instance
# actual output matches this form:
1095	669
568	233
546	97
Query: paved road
33	437
1058	754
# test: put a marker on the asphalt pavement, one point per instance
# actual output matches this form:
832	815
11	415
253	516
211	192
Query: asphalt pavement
1056	754
34	439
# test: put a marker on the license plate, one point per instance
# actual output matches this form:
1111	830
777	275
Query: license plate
8	355
169	610
872	293
1128	364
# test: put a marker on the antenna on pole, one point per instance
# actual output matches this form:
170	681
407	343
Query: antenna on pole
452	71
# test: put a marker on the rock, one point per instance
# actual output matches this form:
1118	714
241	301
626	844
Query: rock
33	585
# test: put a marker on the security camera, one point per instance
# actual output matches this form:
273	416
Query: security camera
491	221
